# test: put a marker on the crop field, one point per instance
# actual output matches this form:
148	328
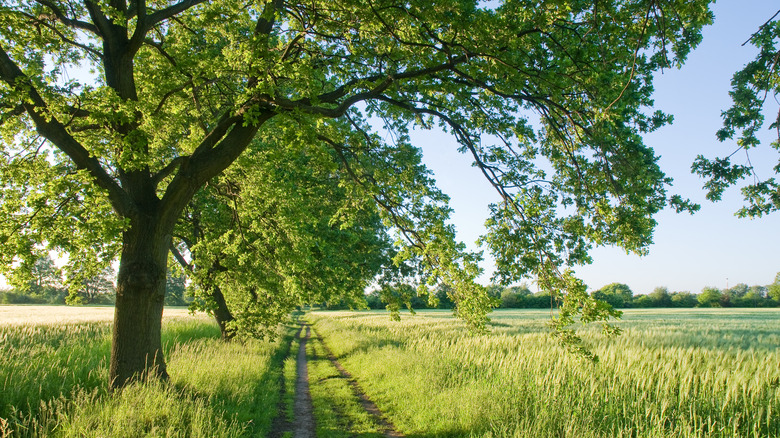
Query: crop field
694	373
673	373
24	314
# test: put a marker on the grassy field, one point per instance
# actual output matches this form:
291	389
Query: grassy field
681	373
53	379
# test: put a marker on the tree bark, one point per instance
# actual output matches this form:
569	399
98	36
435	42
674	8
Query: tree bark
136	351
222	313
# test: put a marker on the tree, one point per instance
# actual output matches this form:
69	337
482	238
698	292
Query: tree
516	297
326	249
103	164
46	278
684	299
616	294
374	301
97	289
773	290
734	295
495	290
660	297
509	300
710	297
756	296
642	301
443	295
751	87
175	287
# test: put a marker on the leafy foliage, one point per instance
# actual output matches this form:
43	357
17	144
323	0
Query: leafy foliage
751	87
175	289
281	229
616	294
549	98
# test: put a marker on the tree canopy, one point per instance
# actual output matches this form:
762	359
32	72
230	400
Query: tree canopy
117	112
751	87
281	229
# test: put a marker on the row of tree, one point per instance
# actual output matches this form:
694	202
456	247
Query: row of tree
741	295
47	286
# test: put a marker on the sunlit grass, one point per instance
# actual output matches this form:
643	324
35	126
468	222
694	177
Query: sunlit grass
700	373
37	314
337	410
53	380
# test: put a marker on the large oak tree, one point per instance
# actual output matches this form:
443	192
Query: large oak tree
116	112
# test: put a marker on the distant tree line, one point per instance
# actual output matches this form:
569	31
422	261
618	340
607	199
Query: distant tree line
47	287
617	294
741	295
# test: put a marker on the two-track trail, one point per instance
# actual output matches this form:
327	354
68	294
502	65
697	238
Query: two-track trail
303	422
303	409
385	426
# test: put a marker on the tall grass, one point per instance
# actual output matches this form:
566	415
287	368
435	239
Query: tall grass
338	411
53	380
703	373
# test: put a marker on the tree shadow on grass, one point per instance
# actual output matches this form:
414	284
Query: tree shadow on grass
263	411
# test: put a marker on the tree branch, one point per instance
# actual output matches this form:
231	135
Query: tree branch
50	128
167	170
65	20
217	151
141	27
169	12
760	28
180	258
343	90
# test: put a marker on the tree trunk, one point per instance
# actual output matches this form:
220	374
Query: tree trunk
136	350
222	314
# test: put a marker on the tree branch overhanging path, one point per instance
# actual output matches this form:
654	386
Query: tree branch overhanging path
182	90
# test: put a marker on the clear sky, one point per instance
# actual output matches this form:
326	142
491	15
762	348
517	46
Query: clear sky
710	248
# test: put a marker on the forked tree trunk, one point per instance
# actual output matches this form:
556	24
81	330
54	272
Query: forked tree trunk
136	350
222	313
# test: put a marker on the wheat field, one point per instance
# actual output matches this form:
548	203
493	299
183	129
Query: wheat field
693	373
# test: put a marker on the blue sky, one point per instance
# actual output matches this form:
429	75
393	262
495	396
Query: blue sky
710	248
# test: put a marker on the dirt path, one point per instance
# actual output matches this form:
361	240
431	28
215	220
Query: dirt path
303	409
386	427
304	423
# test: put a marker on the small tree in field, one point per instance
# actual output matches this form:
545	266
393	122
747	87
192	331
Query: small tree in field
175	288
710	297
616	294
103	164
97	289
46	280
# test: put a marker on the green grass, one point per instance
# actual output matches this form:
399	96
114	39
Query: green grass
337	410
687	373
53	380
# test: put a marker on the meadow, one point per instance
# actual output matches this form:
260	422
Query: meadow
681	373
53	379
